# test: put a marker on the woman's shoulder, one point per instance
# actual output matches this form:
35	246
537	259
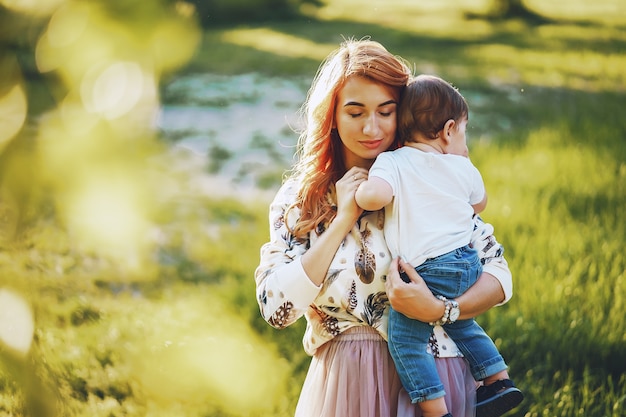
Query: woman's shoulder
288	191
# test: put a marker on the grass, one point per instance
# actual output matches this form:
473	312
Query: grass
183	336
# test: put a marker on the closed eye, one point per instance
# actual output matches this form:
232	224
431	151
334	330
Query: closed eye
387	109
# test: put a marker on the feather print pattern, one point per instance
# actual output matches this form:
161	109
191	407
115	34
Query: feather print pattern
364	259
330	323
279	221
352	298
353	293
330	278
280	319
374	308
432	344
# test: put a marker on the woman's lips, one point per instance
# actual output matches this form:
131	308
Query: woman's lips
372	144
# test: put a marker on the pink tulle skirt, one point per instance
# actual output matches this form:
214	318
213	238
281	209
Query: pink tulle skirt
354	376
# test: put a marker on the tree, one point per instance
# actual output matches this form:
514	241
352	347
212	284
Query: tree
509	9
212	13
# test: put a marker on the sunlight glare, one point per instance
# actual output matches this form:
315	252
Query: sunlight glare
13	108
172	43
278	43
114	91
67	25
34	7
105	215
201	353
16	322
584	70
75	39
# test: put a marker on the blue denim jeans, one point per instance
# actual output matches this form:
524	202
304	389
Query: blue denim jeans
450	275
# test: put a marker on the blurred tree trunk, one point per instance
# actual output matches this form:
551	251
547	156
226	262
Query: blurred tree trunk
507	9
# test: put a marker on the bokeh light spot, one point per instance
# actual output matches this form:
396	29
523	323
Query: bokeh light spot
114	91
16	322
172	44
34	7
107	216
278	43
67	25
13	108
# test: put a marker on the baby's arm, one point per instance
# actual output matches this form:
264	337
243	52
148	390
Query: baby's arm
479	207
478	190
373	194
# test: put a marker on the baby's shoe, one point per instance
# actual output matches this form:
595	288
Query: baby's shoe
496	399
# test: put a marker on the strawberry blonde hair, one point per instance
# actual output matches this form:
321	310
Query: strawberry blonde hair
320	150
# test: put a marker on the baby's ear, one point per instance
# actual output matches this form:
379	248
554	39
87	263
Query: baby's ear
449	126
447	130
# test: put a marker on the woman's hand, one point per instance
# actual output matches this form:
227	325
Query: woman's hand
416	301
347	209
413	299
318	258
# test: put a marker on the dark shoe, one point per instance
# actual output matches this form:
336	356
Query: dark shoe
498	398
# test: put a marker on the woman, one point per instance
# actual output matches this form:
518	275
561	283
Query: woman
327	259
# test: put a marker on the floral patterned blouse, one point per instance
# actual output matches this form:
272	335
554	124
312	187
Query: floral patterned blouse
353	293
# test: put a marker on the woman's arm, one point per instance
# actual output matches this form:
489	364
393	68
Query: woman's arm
283	289
480	297
416	301
494	287
491	254
318	258
290	273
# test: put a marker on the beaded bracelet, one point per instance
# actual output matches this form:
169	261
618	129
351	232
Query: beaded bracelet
446	312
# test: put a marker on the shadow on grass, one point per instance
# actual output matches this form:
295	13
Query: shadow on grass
437	49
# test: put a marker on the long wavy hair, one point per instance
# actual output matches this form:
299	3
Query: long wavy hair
320	151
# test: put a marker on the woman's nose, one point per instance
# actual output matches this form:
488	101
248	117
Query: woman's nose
371	127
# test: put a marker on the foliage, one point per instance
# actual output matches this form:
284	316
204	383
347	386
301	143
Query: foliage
553	201
211	13
175	329
512	9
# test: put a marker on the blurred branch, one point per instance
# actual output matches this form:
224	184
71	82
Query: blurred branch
38	399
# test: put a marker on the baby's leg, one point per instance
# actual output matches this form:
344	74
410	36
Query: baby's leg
434	408
496	377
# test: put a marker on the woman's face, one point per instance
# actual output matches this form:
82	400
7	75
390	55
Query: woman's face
365	119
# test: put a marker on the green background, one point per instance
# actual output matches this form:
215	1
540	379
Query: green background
139	277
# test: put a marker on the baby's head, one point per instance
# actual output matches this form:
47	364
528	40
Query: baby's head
427	103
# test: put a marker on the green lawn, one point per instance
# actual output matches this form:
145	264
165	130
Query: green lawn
175	329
